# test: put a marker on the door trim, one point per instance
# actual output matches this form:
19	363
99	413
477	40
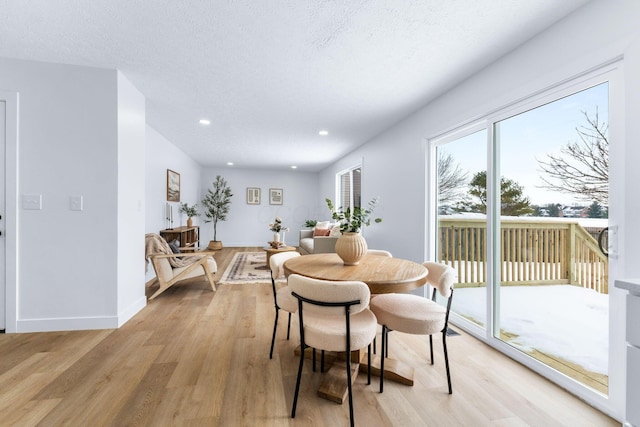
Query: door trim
11	212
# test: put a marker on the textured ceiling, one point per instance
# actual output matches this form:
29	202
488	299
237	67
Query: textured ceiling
270	74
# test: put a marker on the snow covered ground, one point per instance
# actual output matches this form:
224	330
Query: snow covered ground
562	320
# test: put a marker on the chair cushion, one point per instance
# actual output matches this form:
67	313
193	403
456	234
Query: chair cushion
329	332
285	300
408	313
174	246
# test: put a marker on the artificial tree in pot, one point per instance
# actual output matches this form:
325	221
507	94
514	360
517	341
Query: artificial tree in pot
216	204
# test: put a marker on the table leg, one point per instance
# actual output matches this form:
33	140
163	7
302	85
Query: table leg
334	383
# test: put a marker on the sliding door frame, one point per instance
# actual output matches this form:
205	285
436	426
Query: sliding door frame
610	72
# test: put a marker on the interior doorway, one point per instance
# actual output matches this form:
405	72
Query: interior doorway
3	263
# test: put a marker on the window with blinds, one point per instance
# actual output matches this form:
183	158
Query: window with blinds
349	183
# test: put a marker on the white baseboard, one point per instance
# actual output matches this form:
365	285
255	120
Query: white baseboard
125	315
80	323
66	324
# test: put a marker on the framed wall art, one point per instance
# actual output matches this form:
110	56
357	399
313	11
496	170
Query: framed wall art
275	196
253	196
173	186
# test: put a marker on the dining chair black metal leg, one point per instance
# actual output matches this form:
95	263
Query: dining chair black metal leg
349	384
322	362
374	345
386	345
369	364
384	340
295	395
431	347
273	337
314	359
289	327
446	359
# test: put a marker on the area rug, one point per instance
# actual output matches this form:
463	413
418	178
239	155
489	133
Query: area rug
247	267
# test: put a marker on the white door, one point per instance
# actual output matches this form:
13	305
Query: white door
3	269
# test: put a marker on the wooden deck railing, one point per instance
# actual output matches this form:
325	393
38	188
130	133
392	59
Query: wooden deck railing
532	253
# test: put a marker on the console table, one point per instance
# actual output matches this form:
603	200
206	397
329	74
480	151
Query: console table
189	237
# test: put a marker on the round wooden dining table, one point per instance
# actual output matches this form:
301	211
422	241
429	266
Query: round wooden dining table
382	275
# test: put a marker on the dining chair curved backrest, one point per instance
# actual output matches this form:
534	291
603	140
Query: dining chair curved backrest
441	276
333	316
414	314
379	252
282	298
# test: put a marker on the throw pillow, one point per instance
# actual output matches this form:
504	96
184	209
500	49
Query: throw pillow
174	247
322	225
335	231
321	232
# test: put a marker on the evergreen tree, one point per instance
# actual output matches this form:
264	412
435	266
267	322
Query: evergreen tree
512	200
595	210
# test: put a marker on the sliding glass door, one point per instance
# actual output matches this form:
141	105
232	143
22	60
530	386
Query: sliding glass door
462	226
553	286
522	207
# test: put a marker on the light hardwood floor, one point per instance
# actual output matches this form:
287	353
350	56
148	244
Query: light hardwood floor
195	357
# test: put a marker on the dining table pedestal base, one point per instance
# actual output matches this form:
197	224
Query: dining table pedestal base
394	370
334	383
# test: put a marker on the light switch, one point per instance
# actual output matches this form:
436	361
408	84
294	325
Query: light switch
76	203
32	201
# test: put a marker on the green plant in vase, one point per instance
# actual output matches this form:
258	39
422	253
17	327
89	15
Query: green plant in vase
190	212
353	219
351	247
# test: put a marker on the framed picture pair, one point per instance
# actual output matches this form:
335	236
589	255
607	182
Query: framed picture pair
253	196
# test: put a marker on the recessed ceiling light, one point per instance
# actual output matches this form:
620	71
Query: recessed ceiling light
205	122
323	133
294	167
229	163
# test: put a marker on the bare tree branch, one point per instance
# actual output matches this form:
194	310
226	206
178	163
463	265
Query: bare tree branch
582	168
451	179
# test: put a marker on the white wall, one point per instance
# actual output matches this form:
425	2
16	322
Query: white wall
394	162
160	155
67	146
248	225
131	193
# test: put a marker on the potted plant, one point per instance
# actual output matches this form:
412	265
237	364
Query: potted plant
352	220
351	246
216	203
190	212
276	226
